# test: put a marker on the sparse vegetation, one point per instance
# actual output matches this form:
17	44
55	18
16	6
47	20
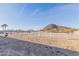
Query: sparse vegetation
61	40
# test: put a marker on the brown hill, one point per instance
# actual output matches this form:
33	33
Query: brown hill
56	28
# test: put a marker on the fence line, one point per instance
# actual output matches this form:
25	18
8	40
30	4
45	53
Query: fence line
44	35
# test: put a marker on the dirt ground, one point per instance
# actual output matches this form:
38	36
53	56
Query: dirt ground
16	47
65	41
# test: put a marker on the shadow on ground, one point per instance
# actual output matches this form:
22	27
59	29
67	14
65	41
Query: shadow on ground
15	47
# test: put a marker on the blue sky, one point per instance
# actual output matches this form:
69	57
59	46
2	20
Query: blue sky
36	16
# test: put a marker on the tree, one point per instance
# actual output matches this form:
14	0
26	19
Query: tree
4	26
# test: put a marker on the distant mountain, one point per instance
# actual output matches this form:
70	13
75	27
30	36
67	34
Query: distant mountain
56	28
31	30
19	30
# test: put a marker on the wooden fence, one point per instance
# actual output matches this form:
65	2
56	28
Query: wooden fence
43	34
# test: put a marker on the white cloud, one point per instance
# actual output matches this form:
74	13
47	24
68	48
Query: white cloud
35	12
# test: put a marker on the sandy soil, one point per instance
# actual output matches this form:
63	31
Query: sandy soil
65	41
